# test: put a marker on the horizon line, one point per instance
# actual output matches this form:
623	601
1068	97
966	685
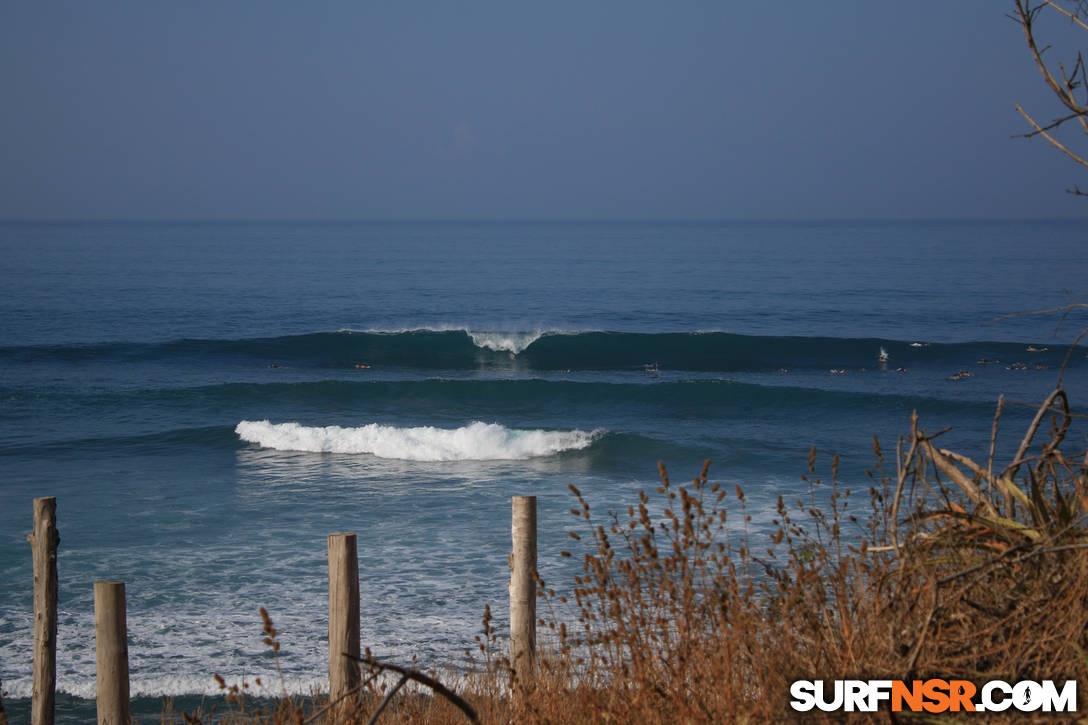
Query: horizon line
537	220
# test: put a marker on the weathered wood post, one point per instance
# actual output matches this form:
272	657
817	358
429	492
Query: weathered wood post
523	587
111	653
43	543
343	615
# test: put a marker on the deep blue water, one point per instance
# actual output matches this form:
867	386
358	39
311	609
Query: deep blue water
191	394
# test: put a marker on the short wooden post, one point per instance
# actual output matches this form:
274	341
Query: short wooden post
111	653
43	544
523	587
343	615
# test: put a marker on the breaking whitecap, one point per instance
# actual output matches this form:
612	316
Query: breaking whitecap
511	342
476	441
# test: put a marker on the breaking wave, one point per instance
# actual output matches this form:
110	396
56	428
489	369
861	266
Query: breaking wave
512	342
476	441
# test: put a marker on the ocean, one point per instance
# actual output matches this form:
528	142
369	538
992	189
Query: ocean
208	401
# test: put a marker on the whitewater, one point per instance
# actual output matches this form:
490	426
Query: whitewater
476	441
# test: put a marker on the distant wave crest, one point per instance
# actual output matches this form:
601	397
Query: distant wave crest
495	340
543	349
476	441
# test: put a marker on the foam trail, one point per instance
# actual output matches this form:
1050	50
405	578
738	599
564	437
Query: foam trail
512	342
474	442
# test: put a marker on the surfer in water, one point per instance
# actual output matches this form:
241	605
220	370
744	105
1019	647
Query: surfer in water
882	356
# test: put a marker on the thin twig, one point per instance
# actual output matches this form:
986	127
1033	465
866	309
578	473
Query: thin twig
901	477
1064	308
340	699
1017	560
1053	124
1053	141
1072	16
1059	435
1012	468
990	455
925	629
1069	356
422	679
385	701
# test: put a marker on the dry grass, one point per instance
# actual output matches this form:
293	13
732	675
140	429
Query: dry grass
960	570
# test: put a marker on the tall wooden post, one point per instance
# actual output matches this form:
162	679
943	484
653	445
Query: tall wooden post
343	615
111	653
523	587
43	543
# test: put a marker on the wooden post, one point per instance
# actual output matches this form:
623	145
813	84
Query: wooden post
343	615
523	587
43	543
111	653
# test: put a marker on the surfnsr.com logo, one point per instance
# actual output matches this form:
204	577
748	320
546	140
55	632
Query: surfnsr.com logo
933	695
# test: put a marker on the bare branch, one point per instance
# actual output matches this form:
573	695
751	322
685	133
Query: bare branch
1055	142
1027	16
1070	83
1054	124
1075	17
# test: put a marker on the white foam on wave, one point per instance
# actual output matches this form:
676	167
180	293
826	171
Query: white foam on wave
181	685
512	342
476	441
497	340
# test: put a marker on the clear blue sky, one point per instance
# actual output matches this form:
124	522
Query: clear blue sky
611	110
